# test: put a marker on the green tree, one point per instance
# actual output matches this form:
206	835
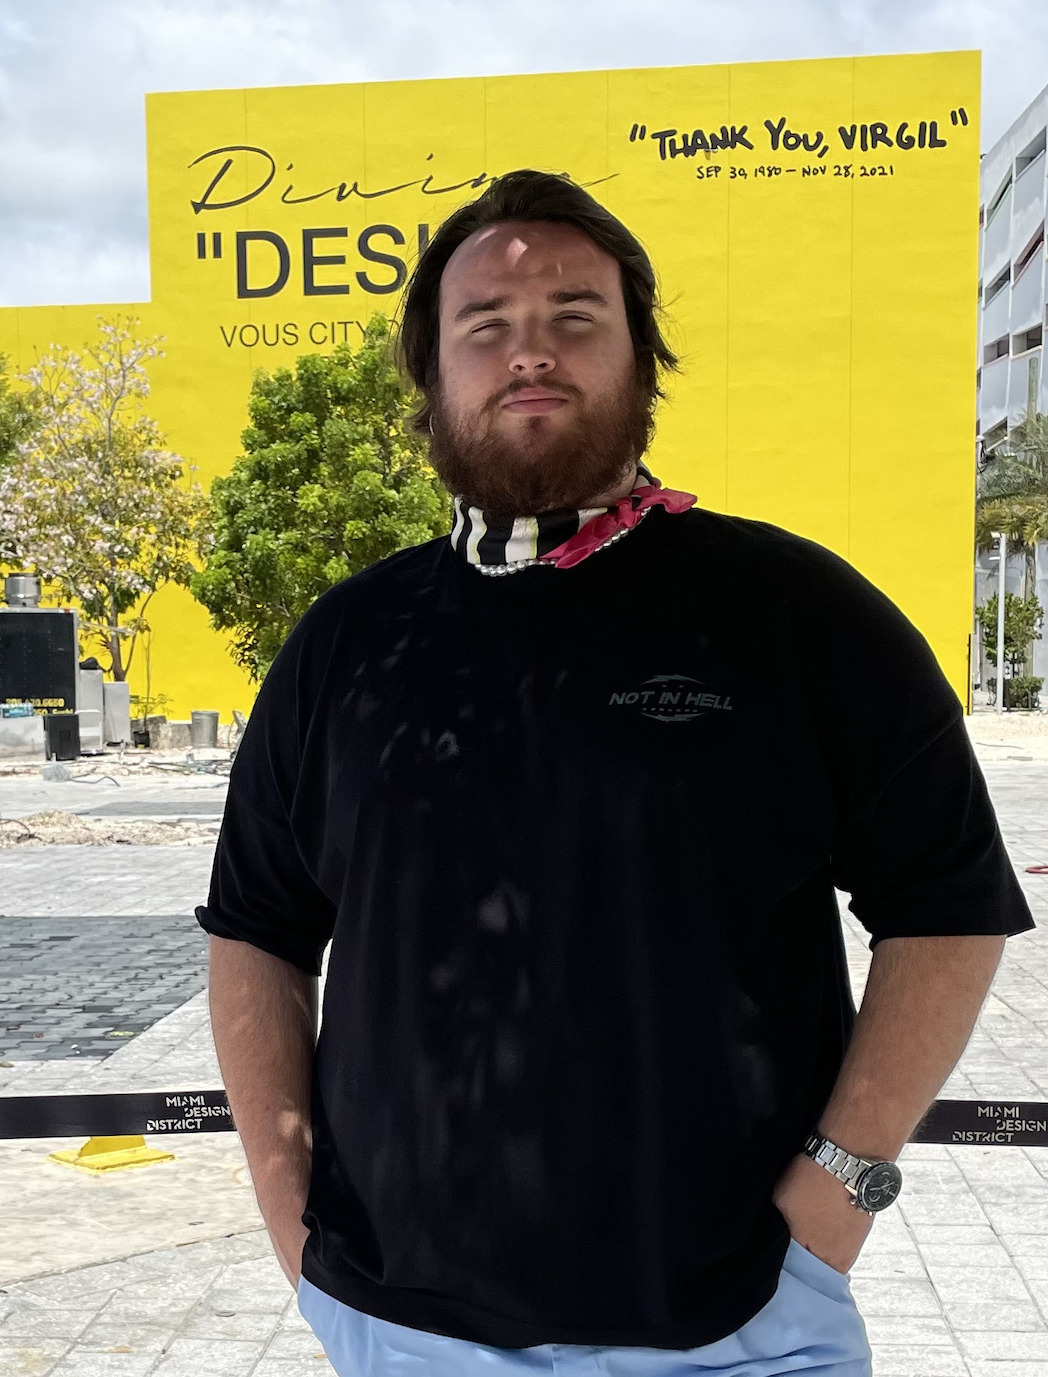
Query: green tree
1022	626
1022	621
91	500
16	417
1012	496
332	478
1012	492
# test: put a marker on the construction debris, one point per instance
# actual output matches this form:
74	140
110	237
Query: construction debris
68	829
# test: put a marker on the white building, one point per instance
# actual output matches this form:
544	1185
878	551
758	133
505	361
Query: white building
1013	319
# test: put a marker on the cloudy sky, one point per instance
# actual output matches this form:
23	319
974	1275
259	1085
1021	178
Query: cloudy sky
73	74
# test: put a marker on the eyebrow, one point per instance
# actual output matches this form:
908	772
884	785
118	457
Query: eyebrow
562	298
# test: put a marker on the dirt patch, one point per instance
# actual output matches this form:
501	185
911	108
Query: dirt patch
120	764
1005	735
67	829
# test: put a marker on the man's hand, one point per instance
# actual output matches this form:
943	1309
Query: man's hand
820	1215
918	1010
288	1239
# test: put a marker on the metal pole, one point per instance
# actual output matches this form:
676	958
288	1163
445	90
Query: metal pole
1002	546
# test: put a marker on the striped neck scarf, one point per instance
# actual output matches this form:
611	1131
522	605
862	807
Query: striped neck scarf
561	538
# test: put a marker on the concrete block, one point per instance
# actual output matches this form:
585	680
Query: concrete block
171	736
22	738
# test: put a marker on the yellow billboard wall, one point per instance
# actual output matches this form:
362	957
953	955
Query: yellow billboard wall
814	225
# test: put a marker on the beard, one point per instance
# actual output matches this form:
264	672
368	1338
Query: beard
540	468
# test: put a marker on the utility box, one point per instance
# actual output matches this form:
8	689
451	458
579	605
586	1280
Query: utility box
62	735
116	714
39	657
91	709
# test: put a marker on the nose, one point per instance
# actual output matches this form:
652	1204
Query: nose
531	353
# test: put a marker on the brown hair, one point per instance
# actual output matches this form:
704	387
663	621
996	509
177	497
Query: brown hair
530	196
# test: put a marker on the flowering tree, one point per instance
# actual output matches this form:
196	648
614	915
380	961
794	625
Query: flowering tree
90	499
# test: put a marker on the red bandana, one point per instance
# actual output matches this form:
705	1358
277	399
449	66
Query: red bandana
622	517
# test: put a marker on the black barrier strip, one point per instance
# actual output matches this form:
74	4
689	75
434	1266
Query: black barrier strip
114	1116
1013	1123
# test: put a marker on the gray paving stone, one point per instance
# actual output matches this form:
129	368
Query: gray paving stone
1038	1288
119	974
208	1321
30	1357
1006	1368
123	880
977	1284
298	1344
882	1296
897	1263
943	1209
937	1257
30	1322
294	1367
23	1295
105	1277
923	1331
1018	1217
107	1334
88	1363
1018	1316
188	1357
995	1345
906	1361
261	1304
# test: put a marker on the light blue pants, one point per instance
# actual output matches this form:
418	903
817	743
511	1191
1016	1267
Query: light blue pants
809	1325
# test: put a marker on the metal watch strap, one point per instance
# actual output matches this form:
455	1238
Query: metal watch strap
844	1165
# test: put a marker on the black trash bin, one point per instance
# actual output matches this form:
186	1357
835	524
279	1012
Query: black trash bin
62	735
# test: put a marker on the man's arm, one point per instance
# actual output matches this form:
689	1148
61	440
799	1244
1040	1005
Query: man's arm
264	1021
922	998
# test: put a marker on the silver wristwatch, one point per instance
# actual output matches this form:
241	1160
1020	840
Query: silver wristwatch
873	1186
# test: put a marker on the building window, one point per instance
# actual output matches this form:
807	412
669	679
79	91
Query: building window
1028	254
1033	150
999	199
994	437
996	349
997	286
1027	339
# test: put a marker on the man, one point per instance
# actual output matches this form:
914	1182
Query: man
570	792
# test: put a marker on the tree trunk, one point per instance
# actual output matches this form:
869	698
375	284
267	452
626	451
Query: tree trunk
117	668
1030	591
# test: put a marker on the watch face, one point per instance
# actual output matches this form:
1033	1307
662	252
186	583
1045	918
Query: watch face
879	1186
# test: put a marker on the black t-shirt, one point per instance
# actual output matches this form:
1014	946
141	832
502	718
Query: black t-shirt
574	836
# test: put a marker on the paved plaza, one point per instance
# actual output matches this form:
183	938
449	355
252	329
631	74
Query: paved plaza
166	1269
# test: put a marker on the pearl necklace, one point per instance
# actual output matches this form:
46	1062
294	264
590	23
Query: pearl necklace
496	570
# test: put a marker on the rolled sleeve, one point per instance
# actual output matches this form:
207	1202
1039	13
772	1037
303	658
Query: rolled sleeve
916	842
925	856
263	887
261	892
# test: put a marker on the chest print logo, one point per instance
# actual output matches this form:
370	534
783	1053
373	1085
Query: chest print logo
671	698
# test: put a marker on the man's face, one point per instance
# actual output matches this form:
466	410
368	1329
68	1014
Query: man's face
537	405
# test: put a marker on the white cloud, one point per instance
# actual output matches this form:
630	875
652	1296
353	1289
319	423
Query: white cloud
73	78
